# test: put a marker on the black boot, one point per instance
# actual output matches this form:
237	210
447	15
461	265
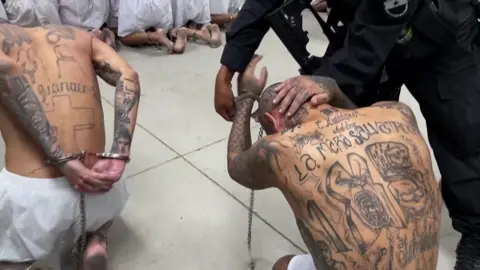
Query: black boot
468	252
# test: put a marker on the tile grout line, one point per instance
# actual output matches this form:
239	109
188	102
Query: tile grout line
153	167
209	178
244	205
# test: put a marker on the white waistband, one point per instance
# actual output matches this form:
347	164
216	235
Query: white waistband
8	178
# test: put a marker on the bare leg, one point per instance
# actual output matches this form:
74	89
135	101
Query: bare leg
95	257
180	35
215	34
200	34
160	37
148	38
109	38
282	263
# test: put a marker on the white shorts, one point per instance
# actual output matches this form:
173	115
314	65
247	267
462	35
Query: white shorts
302	262
40	218
139	15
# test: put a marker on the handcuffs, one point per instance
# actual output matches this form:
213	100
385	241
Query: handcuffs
83	154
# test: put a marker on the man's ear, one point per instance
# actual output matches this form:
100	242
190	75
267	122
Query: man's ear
273	121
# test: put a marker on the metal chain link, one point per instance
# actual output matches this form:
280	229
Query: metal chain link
79	247
250	218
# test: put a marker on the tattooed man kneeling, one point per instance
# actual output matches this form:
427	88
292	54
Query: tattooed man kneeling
52	111
360	182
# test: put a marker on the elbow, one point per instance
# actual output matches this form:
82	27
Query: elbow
231	169
130	74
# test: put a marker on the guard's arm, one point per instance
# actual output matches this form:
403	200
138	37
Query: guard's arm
372	35
246	33
116	72
251	166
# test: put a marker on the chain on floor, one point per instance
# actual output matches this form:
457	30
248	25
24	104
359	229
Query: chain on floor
250	219
77	252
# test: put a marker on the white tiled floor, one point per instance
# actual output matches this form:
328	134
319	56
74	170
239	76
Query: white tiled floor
185	213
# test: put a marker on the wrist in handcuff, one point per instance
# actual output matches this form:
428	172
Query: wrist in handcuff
80	156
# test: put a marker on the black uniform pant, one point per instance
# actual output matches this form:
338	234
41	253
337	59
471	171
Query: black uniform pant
450	104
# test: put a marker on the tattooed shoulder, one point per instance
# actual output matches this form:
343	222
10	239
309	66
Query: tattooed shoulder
403	108
260	162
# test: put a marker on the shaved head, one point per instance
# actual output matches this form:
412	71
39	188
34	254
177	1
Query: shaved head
265	104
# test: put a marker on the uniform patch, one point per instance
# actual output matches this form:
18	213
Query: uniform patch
396	8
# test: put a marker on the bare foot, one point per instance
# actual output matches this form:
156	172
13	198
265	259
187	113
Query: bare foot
160	37
202	34
216	35
109	38
97	33
181	39
95	257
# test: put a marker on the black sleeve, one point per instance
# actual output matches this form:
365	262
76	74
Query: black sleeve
246	33
377	26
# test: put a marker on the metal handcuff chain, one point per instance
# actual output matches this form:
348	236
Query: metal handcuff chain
250	219
79	246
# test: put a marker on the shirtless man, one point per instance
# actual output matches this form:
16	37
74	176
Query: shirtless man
360	182
50	111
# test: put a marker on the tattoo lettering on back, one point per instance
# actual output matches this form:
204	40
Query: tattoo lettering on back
45	91
57	36
310	138
402	108
306	169
380	197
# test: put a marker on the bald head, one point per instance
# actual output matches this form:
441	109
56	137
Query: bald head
265	104
269	117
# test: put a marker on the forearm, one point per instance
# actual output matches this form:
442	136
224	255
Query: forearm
18	97
127	98
238	143
339	99
240	139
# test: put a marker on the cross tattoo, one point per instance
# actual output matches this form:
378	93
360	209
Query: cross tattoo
81	117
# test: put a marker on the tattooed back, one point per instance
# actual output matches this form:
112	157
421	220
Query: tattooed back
362	188
50	69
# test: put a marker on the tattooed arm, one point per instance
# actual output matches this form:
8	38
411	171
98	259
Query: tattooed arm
18	97
250	166
339	99
115	71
